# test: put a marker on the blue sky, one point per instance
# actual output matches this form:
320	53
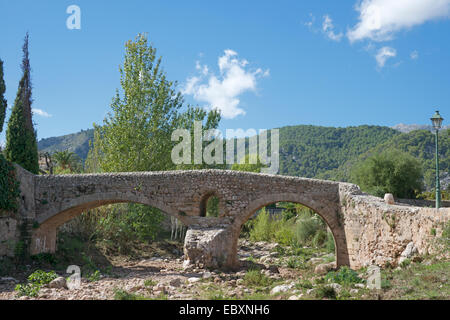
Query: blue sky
267	63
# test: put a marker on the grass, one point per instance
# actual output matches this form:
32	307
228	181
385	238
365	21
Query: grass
417	282
255	278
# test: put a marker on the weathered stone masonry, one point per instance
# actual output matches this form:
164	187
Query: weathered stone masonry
360	224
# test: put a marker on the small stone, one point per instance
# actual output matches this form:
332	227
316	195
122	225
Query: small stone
336	286
175	282
58	283
281	288
194	280
354	291
324	268
274	269
389	198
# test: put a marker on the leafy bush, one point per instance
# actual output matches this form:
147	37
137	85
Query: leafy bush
265	228
296	263
325	291
304	228
344	276
94	276
304	284
330	246
36	280
307	228
117	225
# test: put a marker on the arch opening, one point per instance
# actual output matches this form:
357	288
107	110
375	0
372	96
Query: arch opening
210	205
287	234
111	228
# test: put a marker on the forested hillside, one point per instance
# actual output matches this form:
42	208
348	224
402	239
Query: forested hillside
75	142
420	144
312	151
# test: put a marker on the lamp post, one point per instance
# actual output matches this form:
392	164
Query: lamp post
436	120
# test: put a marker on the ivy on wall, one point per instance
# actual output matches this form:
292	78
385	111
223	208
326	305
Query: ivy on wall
9	186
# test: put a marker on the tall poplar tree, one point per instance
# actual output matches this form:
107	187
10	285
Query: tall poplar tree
3	104
21	144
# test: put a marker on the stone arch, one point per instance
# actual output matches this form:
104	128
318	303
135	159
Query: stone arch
328	212
44	237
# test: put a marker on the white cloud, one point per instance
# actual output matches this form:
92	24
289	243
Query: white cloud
223	91
328	29
384	54
414	55
380	19
41	113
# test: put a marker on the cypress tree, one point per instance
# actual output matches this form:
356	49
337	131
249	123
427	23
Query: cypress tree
21	144
3	104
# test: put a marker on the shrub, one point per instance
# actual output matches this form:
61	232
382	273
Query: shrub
344	276
325	291
304	284
120	294
330	246
307	228
94	276
36	280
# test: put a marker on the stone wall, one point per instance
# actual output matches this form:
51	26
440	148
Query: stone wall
378	233
16	227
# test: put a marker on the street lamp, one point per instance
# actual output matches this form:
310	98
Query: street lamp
437	123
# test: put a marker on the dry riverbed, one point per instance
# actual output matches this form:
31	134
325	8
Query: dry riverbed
268	272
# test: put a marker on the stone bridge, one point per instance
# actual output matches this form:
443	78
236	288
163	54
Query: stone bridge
365	229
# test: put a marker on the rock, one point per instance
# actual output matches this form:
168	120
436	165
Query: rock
294	297
8	280
281	288
207	275
409	251
175	282
324	268
58	283
274	269
389	198
336	286
310	291
315	260
194	280
354	291
187	264
360	285
159	288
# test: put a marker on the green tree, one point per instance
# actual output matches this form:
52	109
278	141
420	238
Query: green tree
21	144
245	164
3	103
67	160
136	135
391	171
